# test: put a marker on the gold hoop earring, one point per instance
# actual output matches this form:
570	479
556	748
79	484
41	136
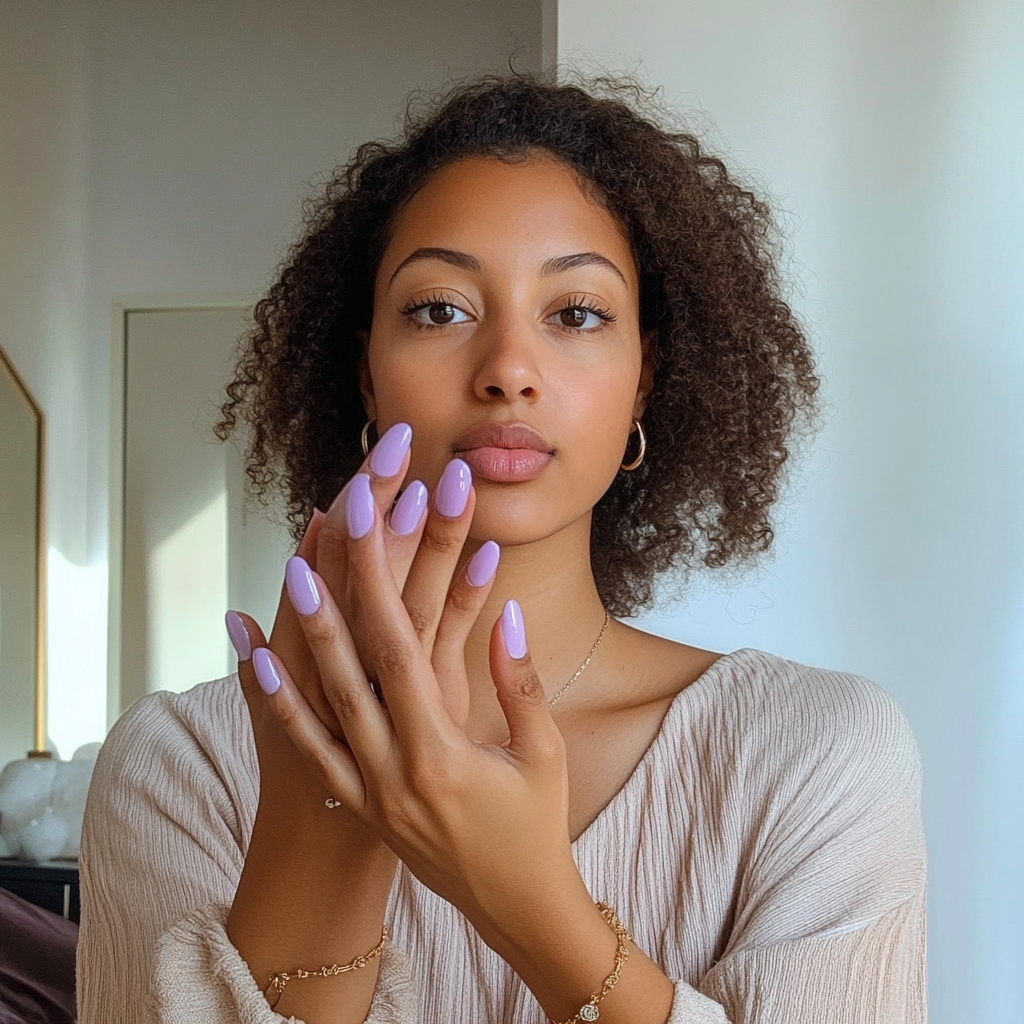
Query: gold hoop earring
365	437
635	464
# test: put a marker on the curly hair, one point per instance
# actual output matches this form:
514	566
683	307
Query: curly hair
734	375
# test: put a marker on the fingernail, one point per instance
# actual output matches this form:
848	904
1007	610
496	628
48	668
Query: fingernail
453	489
302	588
266	670
359	506
388	453
238	635
513	632
409	509
483	564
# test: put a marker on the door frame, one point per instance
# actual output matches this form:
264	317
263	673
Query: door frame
121	307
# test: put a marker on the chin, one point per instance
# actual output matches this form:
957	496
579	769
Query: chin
511	520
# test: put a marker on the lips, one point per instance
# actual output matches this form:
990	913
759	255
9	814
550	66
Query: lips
504	452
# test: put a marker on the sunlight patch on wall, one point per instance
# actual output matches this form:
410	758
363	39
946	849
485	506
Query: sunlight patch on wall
76	651
188	595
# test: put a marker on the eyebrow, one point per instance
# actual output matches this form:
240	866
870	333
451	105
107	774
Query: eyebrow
462	260
560	264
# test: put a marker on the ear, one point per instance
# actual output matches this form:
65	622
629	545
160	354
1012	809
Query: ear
648	344
365	380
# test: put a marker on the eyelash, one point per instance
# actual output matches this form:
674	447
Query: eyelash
575	302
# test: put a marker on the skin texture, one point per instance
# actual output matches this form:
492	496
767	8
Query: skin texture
490	828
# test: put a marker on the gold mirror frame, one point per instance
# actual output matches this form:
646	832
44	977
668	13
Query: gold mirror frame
39	737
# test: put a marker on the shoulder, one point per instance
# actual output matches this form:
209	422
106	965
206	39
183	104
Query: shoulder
197	744
799	719
820	785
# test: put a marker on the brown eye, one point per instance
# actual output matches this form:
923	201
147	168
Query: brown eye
441	313
574	316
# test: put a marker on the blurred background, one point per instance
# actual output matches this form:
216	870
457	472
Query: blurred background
153	157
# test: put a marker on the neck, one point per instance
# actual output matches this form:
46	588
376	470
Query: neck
553	582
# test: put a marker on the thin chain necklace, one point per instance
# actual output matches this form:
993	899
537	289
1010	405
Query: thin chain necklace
586	661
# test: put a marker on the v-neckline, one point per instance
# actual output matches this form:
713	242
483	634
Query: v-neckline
675	708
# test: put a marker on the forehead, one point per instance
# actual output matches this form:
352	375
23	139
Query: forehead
512	215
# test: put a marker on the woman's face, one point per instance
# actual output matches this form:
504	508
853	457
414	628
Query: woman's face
506	333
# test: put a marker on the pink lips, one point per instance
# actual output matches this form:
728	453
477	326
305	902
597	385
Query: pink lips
504	453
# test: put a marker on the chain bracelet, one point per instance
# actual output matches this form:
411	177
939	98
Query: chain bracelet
589	1010
281	978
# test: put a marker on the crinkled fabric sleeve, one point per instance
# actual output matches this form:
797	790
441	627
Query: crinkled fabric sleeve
830	915
167	823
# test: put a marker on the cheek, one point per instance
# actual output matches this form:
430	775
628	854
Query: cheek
421	394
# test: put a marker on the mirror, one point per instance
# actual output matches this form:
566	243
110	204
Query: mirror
22	569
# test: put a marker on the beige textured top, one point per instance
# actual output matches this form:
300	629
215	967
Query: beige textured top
767	853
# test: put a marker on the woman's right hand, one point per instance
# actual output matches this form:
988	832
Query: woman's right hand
315	881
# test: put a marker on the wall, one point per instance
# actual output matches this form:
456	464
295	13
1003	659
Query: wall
44	221
889	133
164	149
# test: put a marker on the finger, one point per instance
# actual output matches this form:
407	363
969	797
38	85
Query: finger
342	676
533	734
444	536
286	636
393	649
246	635
386	466
462	608
330	756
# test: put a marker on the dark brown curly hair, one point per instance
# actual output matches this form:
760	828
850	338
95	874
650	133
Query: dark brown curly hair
734	374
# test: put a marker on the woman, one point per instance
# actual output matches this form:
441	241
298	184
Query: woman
564	324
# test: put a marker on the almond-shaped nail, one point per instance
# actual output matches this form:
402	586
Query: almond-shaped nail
389	452
453	489
359	506
238	635
302	588
266	671
513	632
409	509
483	564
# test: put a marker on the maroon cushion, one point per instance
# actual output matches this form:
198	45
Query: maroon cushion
37	964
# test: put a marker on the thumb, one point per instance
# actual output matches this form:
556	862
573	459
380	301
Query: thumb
532	731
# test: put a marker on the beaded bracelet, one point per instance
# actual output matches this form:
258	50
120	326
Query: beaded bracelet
281	978
589	1010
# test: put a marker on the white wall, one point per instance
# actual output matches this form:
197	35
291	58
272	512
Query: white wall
44	219
157	149
892	133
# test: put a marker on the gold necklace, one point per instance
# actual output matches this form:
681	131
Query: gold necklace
586	661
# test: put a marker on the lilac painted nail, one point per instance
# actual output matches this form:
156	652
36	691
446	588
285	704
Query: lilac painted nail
302	588
359	506
453	489
513	632
409	509
238	635
483	564
388	453
266	671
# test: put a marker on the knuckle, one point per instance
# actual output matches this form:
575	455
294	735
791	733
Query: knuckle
392	657
529	687
462	600
441	542
319	632
421	618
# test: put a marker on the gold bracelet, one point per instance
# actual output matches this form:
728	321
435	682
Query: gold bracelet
279	980
589	1011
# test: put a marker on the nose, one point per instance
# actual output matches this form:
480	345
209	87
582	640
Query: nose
508	369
